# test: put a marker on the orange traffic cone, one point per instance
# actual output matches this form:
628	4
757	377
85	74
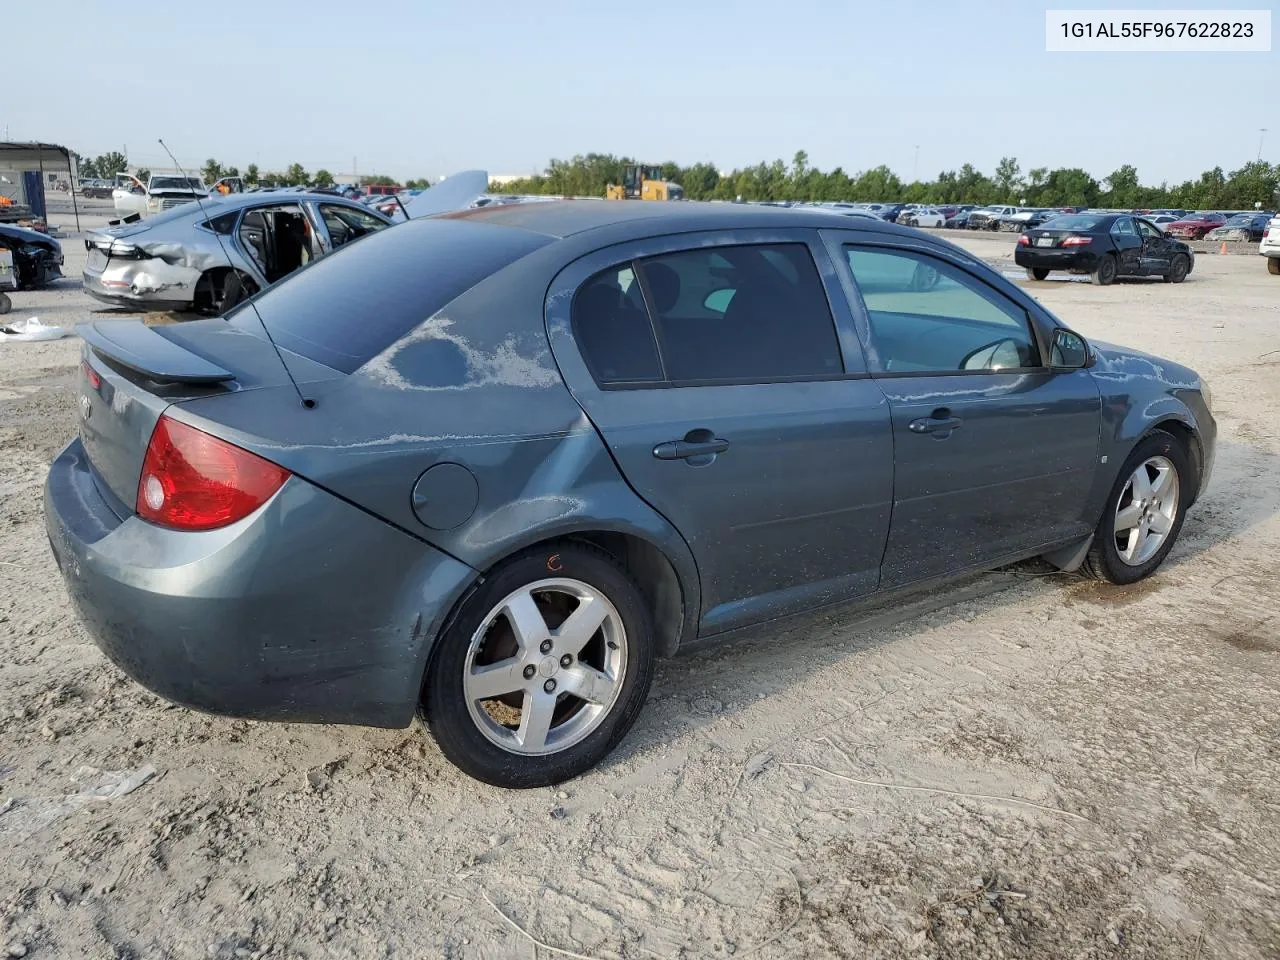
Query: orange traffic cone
1223	249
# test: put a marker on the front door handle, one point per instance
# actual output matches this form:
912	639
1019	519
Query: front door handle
934	424
687	449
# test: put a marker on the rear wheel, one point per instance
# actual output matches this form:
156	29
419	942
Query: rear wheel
5	304
1105	271
1177	269
1273	266
1037	273
1143	515
543	671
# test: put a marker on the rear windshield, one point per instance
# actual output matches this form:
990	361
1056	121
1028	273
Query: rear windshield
348	307
1072	221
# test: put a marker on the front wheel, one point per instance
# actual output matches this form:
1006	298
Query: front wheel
1177	270
1037	273
1143	516
544	669
1105	271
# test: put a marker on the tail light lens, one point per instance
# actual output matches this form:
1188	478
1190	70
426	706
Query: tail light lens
191	480
1076	241
1024	240
90	374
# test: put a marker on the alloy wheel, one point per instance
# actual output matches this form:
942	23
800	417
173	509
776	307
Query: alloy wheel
545	667
1146	510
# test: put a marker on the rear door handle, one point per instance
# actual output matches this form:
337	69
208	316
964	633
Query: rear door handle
685	449
934	424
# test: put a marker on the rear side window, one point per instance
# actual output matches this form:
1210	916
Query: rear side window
345	309
613	329
746	314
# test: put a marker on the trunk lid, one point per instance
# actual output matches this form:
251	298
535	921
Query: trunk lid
131	373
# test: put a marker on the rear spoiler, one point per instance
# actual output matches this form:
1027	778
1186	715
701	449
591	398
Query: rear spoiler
139	348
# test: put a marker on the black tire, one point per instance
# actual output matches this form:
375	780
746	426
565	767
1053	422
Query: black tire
1037	273
1179	266
1103	561
1273	266
1105	271
5	304
444	704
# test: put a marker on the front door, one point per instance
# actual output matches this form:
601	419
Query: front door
995	453
1157	249
717	378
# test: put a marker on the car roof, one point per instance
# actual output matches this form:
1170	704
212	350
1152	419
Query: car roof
564	218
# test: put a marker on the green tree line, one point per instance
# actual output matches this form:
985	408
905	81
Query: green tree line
588	175
107	165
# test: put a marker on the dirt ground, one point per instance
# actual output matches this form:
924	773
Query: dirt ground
1026	765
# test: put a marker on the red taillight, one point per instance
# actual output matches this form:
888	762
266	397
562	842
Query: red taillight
194	481
1024	240
1076	241
90	374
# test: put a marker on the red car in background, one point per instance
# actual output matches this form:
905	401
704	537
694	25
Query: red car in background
1194	225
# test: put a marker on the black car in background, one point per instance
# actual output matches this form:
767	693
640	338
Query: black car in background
1105	246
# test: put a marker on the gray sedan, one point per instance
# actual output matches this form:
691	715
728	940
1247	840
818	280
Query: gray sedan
209	256
591	434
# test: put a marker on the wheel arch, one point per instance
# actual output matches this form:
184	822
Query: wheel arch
1187	435
665	574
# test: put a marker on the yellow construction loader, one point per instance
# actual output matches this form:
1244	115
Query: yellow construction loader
643	183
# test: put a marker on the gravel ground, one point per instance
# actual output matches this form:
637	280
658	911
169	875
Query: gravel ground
1025	765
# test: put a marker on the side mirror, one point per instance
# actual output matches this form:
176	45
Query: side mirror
1068	351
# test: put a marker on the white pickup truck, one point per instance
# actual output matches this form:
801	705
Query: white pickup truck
162	192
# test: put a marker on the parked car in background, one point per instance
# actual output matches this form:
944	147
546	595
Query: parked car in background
1162	220
522	482
923	217
162	192
1242	226
989	218
207	257
1105	246
890	211
958	221
1195	225
1270	245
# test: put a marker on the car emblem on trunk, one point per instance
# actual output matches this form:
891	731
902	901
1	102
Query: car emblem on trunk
86	407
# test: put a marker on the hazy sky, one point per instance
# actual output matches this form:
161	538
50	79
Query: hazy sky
428	88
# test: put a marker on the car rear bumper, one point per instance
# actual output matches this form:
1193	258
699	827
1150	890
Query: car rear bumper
1050	258
308	610
147	284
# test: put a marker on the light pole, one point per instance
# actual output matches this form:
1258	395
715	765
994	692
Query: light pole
1262	132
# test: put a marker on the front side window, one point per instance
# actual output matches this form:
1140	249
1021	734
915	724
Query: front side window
927	316
1147	230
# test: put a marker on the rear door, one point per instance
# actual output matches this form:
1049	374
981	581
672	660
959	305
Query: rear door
733	396
1128	245
995	454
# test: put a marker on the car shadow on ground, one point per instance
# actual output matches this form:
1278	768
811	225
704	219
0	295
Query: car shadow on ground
725	675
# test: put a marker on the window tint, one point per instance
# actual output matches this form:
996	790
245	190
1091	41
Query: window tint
347	223
1074	221
225	224
406	275
1123	227
927	316
613	330
1147	230
746	314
